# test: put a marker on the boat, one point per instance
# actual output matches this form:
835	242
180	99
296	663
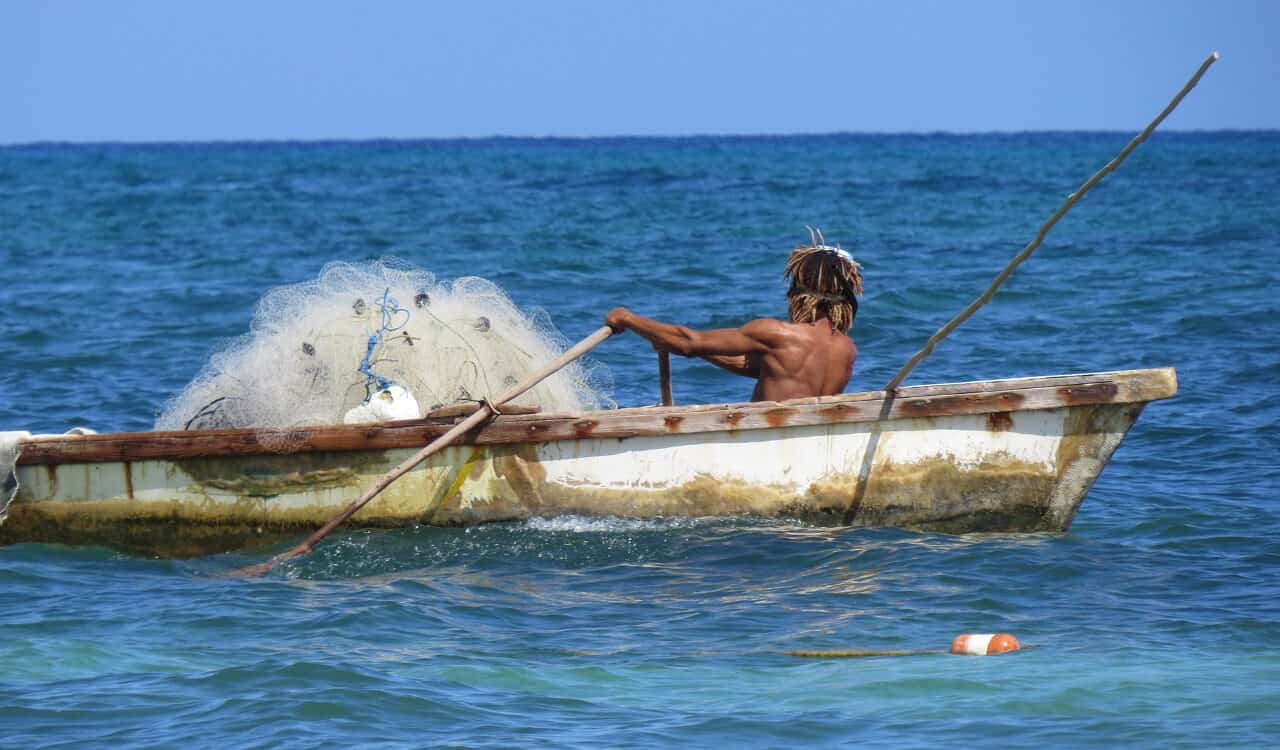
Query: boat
1012	455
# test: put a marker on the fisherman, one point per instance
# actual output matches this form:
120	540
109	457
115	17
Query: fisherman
812	355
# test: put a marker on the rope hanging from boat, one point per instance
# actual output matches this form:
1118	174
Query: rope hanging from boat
1071	200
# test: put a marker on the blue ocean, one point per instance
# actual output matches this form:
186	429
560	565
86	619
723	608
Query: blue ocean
1155	620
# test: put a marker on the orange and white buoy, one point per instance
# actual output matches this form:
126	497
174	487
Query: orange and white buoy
984	644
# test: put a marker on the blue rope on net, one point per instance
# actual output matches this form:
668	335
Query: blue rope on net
391	310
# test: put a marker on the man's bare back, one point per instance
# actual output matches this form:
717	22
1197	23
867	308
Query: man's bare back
812	355
788	360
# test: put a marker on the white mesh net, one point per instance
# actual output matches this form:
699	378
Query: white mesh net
318	350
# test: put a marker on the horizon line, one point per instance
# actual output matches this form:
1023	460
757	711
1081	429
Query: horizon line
624	137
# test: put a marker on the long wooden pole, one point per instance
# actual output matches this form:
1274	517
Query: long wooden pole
664	377
873	443
435	446
955	322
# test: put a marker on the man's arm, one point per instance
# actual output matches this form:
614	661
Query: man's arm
732	346
747	365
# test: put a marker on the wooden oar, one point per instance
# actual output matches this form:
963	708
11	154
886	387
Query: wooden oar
484	412
664	377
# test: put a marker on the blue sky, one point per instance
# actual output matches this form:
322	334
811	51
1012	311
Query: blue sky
148	70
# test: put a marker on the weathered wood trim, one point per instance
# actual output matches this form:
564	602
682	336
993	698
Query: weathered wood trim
979	397
469	408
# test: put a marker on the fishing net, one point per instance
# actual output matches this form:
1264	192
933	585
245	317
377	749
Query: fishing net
377	341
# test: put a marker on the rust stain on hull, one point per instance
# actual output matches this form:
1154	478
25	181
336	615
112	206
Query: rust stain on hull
970	402
584	428
128	479
1088	393
999	421
780	417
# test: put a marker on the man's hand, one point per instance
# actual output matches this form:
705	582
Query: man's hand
617	319
620	319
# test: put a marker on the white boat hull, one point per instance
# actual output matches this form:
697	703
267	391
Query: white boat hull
992	459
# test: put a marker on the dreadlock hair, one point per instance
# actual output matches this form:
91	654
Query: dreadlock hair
825	280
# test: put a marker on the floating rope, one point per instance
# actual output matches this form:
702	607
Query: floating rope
965	644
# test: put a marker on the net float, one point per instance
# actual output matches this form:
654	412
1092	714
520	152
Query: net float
984	644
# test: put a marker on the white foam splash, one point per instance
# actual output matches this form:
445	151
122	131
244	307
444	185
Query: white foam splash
605	524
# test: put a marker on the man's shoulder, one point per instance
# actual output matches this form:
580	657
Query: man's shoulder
775	332
765	328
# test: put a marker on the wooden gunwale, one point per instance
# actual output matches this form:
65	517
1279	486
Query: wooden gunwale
977	397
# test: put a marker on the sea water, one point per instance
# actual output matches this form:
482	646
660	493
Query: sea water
1155	618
